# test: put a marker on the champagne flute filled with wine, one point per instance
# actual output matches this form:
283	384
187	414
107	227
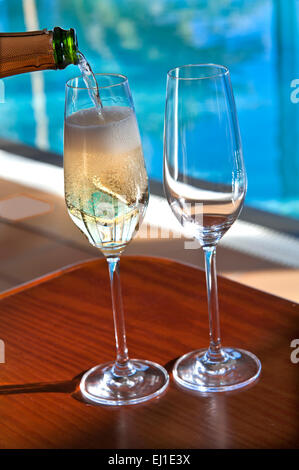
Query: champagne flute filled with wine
106	191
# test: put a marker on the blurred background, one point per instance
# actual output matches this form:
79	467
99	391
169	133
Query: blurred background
257	40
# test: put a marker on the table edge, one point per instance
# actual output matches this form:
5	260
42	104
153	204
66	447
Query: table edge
81	264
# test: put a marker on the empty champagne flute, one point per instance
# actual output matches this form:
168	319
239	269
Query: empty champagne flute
106	192
205	184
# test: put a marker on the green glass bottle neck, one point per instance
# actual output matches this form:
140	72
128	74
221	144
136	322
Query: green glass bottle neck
65	47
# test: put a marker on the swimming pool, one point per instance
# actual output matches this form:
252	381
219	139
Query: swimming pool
257	40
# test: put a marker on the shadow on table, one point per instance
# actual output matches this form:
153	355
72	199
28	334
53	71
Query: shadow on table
64	386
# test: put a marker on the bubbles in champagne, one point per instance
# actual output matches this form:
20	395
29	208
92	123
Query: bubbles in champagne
105	178
105	153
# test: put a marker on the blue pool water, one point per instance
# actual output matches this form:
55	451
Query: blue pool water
257	39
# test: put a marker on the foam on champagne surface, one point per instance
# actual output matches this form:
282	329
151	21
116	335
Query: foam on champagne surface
114	131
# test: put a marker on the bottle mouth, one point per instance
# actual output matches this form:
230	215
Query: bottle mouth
65	47
73	42
104	81
198	71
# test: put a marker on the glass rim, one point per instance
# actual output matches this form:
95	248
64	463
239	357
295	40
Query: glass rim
124	77
223	71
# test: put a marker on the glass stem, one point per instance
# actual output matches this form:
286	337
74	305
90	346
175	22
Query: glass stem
214	353
122	366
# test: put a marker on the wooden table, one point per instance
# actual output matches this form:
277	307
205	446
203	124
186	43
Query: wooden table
57	327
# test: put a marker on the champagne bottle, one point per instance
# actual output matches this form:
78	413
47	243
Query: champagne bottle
37	50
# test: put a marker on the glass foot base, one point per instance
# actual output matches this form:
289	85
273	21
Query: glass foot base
196	371
101	386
